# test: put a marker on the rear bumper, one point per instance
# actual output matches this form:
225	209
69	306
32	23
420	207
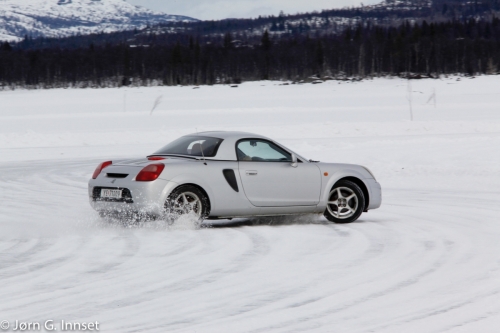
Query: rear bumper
142	197
375	193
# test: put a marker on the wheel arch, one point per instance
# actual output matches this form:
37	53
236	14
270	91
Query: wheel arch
199	188
361	185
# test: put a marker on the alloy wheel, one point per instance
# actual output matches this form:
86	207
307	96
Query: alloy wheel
342	203
186	203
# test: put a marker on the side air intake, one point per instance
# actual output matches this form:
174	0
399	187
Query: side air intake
231	179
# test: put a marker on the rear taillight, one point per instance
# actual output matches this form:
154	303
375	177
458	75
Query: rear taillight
150	173
100	167
156	158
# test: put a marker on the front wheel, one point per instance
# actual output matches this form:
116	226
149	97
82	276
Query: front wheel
346	202
187	200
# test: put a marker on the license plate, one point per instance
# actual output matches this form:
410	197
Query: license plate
111	194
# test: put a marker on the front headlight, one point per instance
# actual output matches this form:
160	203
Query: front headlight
371	173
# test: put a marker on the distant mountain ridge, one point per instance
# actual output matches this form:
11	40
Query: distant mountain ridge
334	21
83	21
63	18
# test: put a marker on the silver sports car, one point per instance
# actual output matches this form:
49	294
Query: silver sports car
223	175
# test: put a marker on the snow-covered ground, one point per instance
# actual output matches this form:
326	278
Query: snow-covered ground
427	261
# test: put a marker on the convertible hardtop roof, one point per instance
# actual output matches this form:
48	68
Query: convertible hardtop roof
228	135
227	149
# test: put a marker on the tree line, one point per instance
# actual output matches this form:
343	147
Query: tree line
431	49
284	26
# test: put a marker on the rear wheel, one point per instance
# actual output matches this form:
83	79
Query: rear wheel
346	202
187	200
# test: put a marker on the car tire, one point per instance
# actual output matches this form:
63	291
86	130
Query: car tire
187	199
346	202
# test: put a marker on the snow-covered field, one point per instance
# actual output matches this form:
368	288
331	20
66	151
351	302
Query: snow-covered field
427	261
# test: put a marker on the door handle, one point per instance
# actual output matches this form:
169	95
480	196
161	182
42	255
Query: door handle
251	173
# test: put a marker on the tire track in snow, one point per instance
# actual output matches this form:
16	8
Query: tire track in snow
141	269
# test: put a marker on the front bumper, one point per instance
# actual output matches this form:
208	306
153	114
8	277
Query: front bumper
375	193
138	197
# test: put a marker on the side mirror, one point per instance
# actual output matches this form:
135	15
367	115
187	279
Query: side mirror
295	162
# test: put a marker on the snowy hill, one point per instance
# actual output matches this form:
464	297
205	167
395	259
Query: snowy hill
60	18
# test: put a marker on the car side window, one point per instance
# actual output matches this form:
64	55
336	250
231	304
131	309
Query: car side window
192	145
255	150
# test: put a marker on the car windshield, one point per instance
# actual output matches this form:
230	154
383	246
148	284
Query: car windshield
193	146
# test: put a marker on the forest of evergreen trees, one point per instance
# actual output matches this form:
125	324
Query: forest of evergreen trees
457	46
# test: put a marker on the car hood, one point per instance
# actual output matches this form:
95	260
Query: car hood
333	168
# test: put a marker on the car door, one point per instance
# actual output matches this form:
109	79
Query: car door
270	180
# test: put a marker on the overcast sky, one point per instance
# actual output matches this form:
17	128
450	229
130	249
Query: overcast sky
220	9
